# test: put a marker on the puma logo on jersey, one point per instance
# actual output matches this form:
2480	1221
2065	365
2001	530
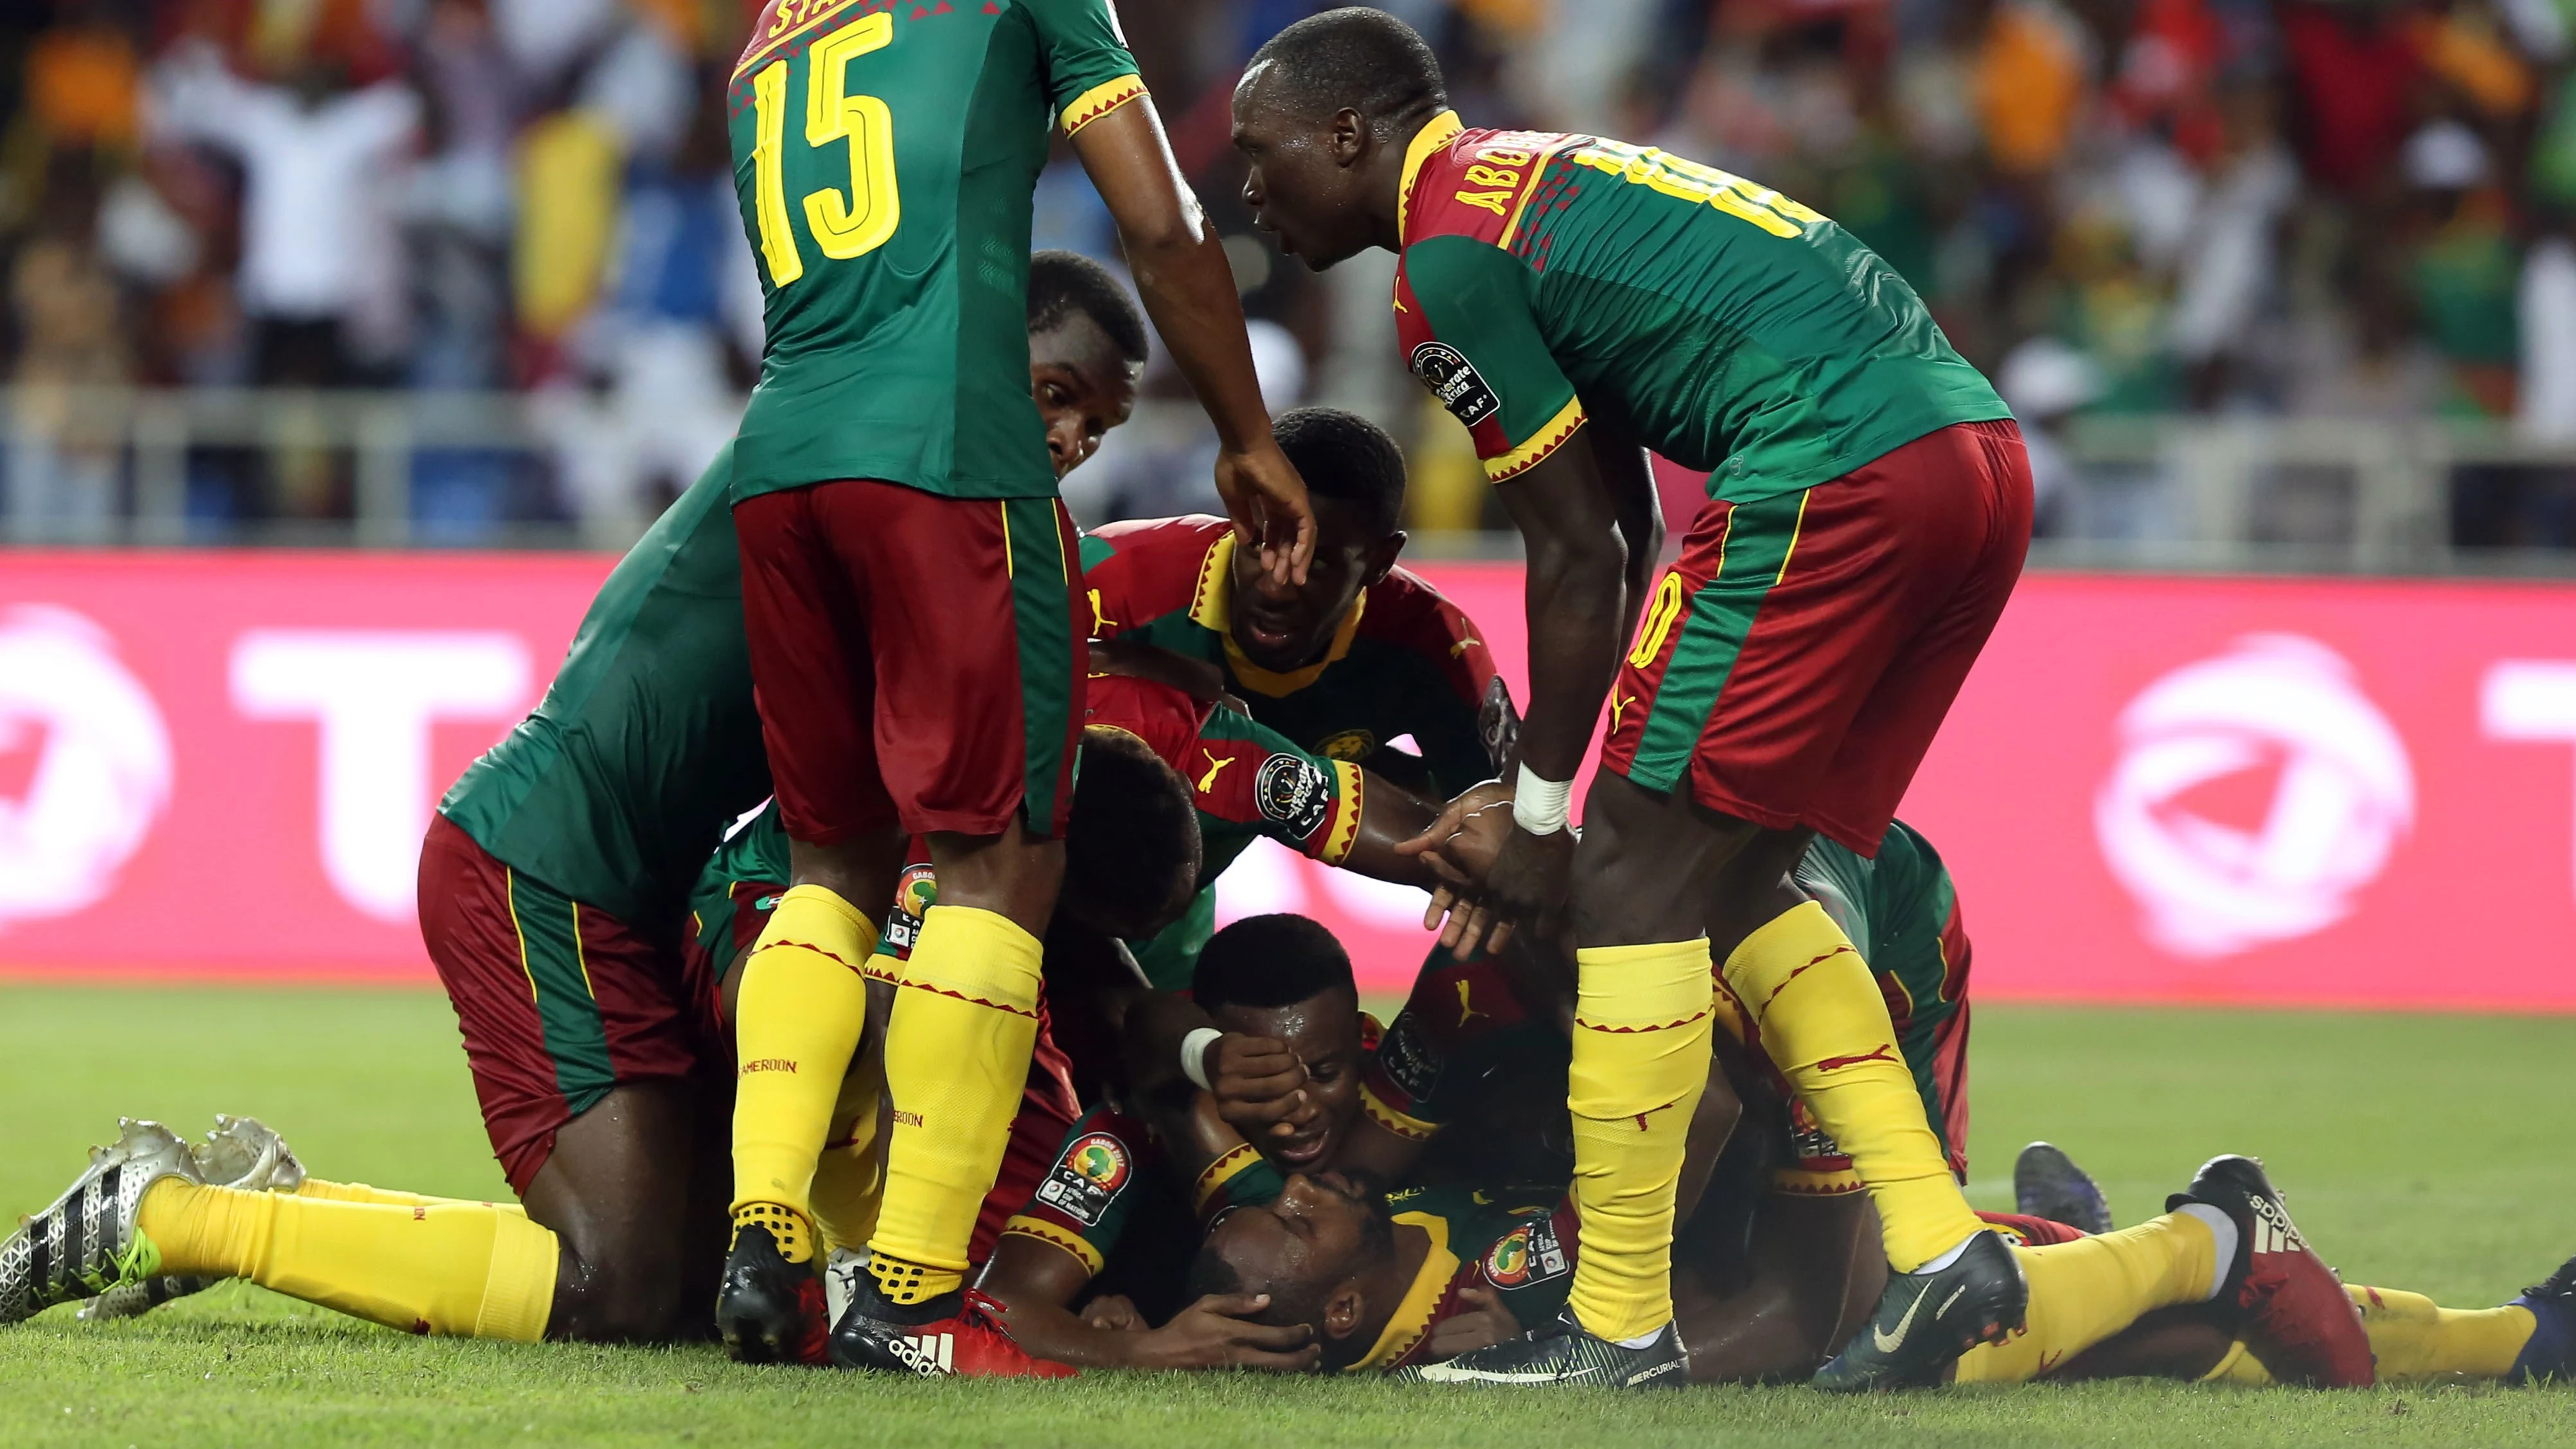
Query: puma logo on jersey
1216	767
929	1355
1100	622
1466	1009
1461	647
1619	707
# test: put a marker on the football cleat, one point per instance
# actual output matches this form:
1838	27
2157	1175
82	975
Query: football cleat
2550	1353
1562	1353
769	1310
1925	1320
86	1242
2048	1184
959	1333
242	1153
2293	1312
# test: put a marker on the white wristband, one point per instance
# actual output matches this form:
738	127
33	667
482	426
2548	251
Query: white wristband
1538	806
1194	1055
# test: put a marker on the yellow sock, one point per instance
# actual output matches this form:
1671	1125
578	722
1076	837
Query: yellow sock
2416	1340
2239	1367
1824	1024
1641	1029
956	1058
314	1187
456	1268
796	1026
2085	1291
849	1180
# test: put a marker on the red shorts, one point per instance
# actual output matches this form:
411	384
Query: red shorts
1794	665
915	656
558	1001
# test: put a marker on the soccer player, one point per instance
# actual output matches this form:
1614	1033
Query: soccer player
2529	1339
1571	298
910	592
554	886
1362	654
1121	1208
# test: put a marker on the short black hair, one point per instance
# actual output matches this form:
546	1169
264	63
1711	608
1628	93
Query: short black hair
1064	283
1357	57
1345	457
1268	961
1131	844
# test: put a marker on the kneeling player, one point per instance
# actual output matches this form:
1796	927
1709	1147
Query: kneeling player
554	884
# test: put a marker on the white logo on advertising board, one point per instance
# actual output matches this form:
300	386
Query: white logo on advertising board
101	772
374	693
2343	794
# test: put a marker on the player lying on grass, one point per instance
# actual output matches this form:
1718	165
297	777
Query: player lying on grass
1096	1252
1244	780
1575	300
555	887
2528	1340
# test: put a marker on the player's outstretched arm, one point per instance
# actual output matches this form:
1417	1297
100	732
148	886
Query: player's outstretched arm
1188	290
1576	596
1036	1282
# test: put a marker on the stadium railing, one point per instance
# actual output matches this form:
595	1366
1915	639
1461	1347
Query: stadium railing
2266	494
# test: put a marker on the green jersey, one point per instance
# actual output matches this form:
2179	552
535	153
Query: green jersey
1729	327
647	745
885	156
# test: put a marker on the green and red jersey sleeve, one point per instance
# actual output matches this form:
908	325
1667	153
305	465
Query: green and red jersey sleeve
1083	1203
1406	612
1089	72
1243	776
1466	304
1461	1021
1143	570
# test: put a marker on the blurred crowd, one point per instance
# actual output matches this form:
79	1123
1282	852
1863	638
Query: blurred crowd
2335	208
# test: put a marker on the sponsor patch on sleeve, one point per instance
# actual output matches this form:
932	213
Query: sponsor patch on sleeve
1292	792
1455	382
1086	1178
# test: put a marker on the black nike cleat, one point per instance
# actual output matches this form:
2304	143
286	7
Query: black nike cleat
2549	1355
1562	1353
769	1310
2293	1312
1926	1320
960	1333
2048	1184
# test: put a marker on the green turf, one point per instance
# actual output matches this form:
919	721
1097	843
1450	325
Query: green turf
2427	1153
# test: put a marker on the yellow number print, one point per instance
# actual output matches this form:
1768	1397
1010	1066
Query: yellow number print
769	185
1689	180
844	227
862	224
1660	615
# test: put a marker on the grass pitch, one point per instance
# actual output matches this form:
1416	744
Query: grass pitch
2424	1153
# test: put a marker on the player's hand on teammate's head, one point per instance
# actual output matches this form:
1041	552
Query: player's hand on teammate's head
1259	1086
1218	1331
1268	503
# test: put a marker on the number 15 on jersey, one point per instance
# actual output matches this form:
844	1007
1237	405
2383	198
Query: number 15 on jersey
842	226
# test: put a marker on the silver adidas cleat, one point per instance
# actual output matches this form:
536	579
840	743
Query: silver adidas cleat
242	1153
86	1242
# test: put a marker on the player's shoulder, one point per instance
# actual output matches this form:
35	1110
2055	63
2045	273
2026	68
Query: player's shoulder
1145	568
1408	612
1164	716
